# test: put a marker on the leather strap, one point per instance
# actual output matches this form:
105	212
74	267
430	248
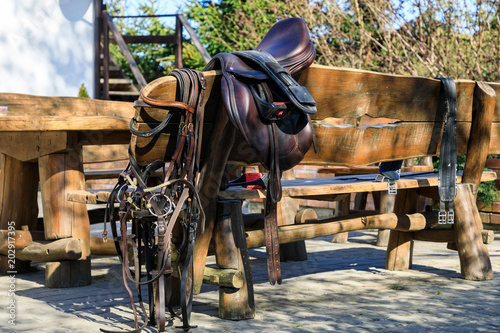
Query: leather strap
271	212
448	155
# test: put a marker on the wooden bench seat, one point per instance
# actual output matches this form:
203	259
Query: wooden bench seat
329	188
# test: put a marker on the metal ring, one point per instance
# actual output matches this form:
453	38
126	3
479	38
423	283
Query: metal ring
119	191
170	205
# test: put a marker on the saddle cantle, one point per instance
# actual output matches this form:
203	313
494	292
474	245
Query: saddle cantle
271	110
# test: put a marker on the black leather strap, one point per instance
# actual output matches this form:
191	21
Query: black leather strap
448	154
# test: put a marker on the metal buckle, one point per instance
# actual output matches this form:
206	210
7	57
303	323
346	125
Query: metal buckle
446	217
392	187
451	217
442	217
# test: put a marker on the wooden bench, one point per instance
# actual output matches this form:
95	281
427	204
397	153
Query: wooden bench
409	110
345	99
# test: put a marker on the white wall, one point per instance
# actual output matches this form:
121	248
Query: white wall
46	46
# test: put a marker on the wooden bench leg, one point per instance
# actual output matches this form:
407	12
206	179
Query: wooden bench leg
287	211
475	261
400	246
61	173
342	210
231	252
18	203
386	206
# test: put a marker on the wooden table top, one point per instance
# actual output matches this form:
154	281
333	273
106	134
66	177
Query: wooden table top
44	113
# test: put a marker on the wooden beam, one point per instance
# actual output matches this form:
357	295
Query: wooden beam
32	105
61	249
228	278
292	233
125	51
194	38
129	39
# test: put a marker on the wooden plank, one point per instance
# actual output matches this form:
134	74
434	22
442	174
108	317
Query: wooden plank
63	123
323	186
350	146
343	92
148	39
320	188
32	105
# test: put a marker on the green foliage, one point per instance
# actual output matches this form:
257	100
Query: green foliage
455	38
82	91
487	193
231	25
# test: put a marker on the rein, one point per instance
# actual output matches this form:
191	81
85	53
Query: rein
162	208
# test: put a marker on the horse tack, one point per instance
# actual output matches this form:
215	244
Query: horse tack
158	207
271	110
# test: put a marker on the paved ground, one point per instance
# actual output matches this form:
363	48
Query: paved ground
341	288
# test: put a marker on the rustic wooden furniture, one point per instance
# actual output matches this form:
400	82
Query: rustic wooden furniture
409	113
42	140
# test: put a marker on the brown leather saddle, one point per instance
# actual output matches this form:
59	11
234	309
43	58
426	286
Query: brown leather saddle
271	110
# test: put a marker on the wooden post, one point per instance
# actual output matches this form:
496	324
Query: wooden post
105	59
287	210
18	202
210	179
474	258
386	206
483	108
61	173
178	43
342	210
400	246
231	253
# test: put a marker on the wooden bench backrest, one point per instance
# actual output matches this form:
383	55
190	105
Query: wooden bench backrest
409	112
350	104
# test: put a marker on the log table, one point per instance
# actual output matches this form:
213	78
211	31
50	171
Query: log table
42	142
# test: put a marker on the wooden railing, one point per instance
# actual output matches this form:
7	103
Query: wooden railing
122	41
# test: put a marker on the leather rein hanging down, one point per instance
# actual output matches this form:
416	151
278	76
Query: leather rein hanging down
159	207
